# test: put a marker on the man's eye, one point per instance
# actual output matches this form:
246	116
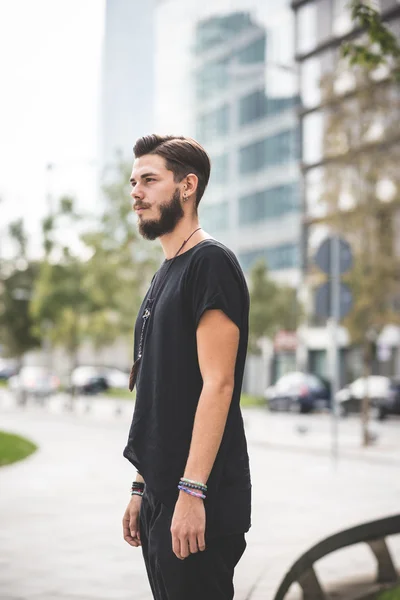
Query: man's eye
150	179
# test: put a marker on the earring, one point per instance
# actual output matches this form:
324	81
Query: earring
184	197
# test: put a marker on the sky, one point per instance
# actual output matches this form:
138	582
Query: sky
50	57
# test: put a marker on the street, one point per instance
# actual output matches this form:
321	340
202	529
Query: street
61	509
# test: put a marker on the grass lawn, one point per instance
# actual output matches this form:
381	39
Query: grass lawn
13	448
247	401
121	393
390	595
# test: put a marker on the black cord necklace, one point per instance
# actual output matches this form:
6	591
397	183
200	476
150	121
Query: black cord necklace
148	311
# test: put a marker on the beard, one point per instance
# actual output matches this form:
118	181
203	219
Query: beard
170	214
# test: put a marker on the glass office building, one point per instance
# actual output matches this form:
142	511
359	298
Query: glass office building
225	75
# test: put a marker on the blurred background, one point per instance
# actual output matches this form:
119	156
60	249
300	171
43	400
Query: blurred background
298	106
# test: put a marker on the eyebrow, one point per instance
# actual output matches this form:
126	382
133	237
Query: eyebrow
133	180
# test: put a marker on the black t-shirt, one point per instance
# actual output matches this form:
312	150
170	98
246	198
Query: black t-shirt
169	384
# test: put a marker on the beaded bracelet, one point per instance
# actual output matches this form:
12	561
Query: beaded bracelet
137	493
137	488
191	493
193	486
203	485
138	483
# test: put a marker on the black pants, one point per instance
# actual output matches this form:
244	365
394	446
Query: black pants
206	575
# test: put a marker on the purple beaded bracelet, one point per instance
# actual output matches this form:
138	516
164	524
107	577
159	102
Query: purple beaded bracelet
191	492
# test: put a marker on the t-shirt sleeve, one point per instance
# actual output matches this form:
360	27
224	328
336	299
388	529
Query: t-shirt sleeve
214	283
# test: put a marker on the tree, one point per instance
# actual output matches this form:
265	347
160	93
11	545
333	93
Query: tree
121	264
379	45
272	307
93	292
60	304
16	288
360	182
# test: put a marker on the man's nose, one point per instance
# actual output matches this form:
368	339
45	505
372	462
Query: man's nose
137	192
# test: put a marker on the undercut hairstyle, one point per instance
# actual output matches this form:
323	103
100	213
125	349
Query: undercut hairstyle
182	156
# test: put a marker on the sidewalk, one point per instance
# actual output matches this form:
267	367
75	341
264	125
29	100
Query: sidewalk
60	510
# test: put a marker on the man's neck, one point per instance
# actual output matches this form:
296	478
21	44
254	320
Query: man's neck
171	242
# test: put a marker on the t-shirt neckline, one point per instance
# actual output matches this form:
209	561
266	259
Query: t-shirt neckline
168	260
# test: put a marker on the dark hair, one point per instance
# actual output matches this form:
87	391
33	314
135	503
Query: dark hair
182	156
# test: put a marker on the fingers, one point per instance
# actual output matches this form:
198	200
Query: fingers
201	543
187	544
176	546
192	543
130	532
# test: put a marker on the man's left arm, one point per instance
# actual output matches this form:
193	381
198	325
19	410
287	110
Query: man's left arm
217	347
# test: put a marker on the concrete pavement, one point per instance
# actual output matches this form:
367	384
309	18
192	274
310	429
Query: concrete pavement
61	509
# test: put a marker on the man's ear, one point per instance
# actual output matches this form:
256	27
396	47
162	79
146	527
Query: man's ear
190	183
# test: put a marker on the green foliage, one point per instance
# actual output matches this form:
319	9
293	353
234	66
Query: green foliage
120	267
247	401
357	166
95	298
16	323
390	594
17	233
16	289
121	394
67	205
14	447
272	307
381	46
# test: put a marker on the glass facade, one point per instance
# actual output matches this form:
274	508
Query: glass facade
257	106
220	169
215	217
313	24
226	76
213	124
285	256
268	204
278	149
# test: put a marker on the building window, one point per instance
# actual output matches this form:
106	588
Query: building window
212	78
253	53
214	124
268	204
285	256
218	30
257	105
313	25
214	217
275	150
252	107
342	21
219	169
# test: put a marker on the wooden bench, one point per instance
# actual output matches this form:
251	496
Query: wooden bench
373	534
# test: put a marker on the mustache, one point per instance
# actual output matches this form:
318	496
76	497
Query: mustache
138	205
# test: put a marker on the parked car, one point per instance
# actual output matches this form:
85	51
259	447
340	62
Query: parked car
116	378
38	382
7	369
383	392
298	392
88	380
391	405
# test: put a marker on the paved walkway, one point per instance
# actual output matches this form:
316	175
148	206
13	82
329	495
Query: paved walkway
61	509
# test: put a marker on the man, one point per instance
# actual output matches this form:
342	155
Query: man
190	346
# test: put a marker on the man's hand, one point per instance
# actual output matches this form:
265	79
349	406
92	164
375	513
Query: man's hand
130	522
188	526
